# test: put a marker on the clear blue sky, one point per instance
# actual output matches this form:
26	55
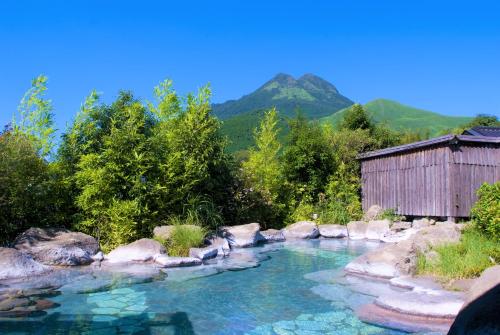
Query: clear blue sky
443	56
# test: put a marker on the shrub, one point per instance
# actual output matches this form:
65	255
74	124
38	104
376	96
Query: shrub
486	212
467	259
390	214
183	237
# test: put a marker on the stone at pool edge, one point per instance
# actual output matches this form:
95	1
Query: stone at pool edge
143	250
247	235
301	230
204	253
57	246
333	230
171	262
15	264
272	235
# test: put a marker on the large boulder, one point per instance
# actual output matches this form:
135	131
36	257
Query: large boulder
246	235
220	243
376	229
272	235
479	314
356	230
143	250
301	230
373	213
435	236
333	230
390	261
15	264
54	246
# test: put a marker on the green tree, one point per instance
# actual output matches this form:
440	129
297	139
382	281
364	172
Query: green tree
483	120
263	167
36	118
356	117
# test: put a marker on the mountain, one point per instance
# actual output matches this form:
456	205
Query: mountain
400	117
314	96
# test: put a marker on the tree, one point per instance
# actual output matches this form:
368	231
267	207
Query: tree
356	117
263	167
36	117
483	120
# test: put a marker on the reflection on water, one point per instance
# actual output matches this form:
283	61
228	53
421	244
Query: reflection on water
288	288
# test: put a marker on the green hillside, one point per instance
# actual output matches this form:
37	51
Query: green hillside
400	117
314	96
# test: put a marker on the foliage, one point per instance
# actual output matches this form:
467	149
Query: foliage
356	117
389	214
483	120
303	212
184	236
486	211
467	259
36	118
25	186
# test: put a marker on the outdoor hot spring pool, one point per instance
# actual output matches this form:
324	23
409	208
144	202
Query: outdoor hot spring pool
284	288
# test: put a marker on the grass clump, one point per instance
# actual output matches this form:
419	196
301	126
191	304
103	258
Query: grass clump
185	234
467	259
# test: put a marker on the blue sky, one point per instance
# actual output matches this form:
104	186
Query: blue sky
442	56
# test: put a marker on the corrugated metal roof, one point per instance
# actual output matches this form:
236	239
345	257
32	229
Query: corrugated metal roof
452	139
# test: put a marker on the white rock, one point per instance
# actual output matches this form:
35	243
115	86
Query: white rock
376	229
357	230
333	230
301	230
246	235
172	262
394	237
142	250
272	235
15	264
422	223
98	257
222	245
400	225
204	253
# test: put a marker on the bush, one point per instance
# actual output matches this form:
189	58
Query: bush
486	212
183	237
467	259
303	212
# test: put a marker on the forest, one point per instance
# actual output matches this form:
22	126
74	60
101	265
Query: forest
121	169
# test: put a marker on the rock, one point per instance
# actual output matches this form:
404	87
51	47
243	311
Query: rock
53	246
400	225
376	229
301	230
221	243
373	213
163	232
11	303
246	235
204	253
272	235
172	262
333	230
390	261
435	236
142	250
432	257
356	230
433	303
15	264
98	257
44	304
425	222
479	314
394	237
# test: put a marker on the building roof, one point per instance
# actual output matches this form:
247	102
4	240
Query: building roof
483	131
451	139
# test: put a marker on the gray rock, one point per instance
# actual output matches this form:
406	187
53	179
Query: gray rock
98	257
163	232
421	223
333	230
221	243
246	235
272	235
435	236
53	246
204	253
142	250
394	237
301	230
15	264
372	213
376	229
172	262
400	225
488	279
357	230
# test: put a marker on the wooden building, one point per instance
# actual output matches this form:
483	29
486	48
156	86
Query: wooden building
433	178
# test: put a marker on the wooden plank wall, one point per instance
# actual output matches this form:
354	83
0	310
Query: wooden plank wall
472	166
410	182
433	181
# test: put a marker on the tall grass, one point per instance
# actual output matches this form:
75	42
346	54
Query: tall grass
186	233
467	259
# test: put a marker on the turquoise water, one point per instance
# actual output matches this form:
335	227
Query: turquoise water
278	289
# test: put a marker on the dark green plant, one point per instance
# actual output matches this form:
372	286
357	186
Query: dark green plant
486	211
